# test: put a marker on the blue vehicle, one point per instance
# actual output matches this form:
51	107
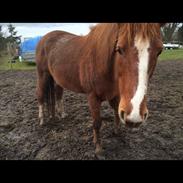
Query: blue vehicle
28	49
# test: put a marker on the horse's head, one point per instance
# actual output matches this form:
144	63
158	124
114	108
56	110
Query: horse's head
138	47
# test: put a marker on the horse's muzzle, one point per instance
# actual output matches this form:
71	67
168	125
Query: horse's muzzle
129	123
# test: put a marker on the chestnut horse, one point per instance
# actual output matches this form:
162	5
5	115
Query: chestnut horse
114	62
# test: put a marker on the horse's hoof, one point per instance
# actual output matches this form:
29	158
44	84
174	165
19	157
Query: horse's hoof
100	156
52	118
99	153
41	122
57	116
116	131
61	116
64	115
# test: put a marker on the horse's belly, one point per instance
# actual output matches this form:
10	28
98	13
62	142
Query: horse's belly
70	86
68	79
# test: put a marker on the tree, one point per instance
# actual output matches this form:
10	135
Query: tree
168	31
13	38
13	41
180	33
2	40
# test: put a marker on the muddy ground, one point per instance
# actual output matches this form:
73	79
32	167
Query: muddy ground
71	138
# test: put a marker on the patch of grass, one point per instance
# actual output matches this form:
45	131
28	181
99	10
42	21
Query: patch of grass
171	55
6	65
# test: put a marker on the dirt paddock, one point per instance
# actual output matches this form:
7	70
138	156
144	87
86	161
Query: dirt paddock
71	138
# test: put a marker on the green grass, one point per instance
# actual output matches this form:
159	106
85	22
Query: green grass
171	55
5	65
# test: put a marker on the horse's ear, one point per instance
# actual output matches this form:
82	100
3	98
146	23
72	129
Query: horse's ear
162	24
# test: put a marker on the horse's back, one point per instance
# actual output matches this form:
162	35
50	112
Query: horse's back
47	44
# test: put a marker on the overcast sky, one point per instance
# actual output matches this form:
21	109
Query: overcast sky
40	29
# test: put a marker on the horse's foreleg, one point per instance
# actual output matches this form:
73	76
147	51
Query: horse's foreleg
117	122
114	104
94	105
41	116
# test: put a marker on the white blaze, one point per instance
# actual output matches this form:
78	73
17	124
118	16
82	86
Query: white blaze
143	57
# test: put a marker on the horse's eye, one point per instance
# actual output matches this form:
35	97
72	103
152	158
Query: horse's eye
120	50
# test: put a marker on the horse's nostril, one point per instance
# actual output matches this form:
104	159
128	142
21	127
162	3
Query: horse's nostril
122	115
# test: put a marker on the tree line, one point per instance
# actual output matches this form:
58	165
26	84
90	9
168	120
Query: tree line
173	32
11	39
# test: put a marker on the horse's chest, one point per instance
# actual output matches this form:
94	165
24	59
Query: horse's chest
105	89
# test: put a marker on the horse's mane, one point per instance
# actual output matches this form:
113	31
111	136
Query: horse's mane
128	31
100	43
102	39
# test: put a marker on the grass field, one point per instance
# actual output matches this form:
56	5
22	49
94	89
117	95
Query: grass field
171	55
5	65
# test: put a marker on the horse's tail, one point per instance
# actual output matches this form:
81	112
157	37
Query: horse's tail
49	96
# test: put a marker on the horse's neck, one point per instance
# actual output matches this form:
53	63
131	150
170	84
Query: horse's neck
97	65
99	55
